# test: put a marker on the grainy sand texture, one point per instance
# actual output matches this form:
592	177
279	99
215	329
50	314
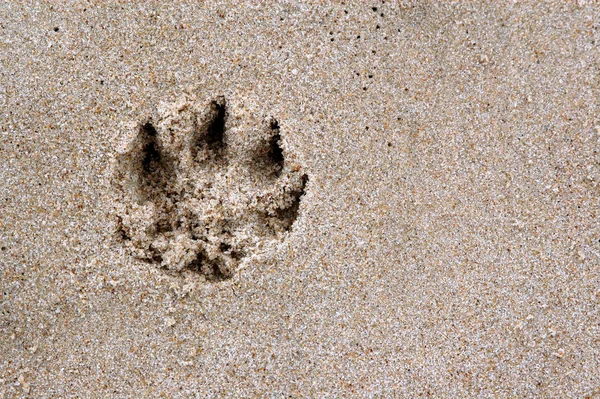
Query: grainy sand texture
320	200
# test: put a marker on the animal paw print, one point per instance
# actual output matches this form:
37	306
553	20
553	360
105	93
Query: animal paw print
203	186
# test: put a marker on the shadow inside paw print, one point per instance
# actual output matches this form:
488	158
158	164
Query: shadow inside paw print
203	186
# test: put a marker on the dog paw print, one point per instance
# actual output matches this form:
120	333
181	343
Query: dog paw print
204	185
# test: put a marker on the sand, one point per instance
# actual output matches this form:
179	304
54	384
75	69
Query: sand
446	242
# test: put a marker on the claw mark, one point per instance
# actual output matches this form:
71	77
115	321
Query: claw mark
185	201
209	132
275	151
151	159
216	129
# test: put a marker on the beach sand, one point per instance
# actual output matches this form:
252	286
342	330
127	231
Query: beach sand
446	243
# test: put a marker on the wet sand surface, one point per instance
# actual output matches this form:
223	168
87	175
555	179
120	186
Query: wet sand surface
446	243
